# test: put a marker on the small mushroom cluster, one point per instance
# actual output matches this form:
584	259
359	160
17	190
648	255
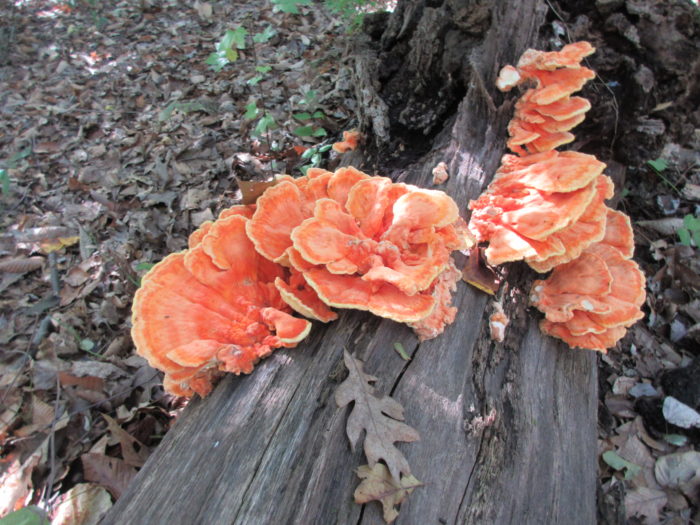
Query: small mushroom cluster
342	239
548	208
590	301
544	206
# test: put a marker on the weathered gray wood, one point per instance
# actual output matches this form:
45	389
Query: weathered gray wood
271	447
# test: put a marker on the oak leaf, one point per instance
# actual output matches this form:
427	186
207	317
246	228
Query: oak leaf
379	417
378	484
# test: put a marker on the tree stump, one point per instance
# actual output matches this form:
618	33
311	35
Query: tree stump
508	430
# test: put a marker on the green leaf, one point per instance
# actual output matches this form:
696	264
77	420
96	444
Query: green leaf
304	131
255	80
265	123
217	61
307	153
227	41
4	182
264	36
231	54
691	222
619	463
325	148
263	69
239	35
319	132
167	112
27	516
144	266
401	351
309	97
676	439
12	161
315	159
304	115
684	236
251	111
87	345
289	6
318	114
659	165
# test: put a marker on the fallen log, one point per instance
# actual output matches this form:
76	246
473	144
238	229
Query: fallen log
508	430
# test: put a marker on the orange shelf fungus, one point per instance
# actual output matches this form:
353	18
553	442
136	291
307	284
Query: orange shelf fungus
591	301
349	143
545	114
362	242
548	208
543	205
211	309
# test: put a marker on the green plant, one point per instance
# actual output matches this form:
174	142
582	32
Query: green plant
261	70
660	166
11	164
689	234
314	156
289	6
225	51
353	10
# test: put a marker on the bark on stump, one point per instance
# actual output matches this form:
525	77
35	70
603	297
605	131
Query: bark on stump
271	447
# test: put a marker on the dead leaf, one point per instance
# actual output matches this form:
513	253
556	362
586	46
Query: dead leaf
680	470
58	243
377	484
16	480
111	473
84	504
21	264
645	502
134	452
663	226
204	10
86	382
476	273
379	417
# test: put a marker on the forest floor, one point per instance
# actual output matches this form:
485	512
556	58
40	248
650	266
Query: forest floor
121	125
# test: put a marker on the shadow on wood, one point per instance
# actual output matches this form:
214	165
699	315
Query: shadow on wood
271	447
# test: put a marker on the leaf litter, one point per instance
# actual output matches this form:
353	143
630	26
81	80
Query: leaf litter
116	141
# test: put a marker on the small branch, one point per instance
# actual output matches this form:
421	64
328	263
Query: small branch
479	81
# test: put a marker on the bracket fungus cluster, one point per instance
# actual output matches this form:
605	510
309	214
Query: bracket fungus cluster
342	240
590	301
547	207
543	205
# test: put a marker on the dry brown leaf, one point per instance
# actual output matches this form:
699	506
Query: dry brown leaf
84	504
16	479
380	417
134	452
680	470
377	484
111	473
645	502
86	382
21	264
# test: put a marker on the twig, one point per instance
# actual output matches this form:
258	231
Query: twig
55	282
52	445
482	87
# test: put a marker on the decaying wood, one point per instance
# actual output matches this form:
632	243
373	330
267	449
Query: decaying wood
508	431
